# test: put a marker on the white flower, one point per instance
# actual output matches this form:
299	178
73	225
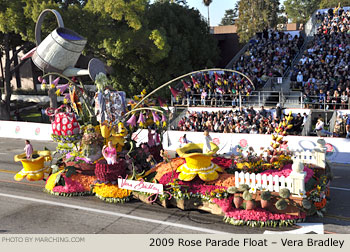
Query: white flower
252	190
302	194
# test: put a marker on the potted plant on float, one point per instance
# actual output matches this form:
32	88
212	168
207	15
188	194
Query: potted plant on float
249	202
282	203
265	199
238	200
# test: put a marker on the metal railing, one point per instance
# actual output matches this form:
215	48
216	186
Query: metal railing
264	98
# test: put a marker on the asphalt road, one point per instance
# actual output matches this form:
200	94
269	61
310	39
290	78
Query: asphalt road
26	209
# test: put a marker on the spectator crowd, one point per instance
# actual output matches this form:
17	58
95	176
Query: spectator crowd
239	121
323	72
269	54
213	89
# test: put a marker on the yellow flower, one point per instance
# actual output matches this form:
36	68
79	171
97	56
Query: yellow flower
318	188
65	101
58	92
110	191
52	86
43	86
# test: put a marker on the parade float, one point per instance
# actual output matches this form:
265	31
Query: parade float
97	155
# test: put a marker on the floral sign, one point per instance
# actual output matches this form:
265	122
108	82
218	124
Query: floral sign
216	141
17	129
243	144
140	185
37	131
330	149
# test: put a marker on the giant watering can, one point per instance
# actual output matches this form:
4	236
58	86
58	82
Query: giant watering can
61	49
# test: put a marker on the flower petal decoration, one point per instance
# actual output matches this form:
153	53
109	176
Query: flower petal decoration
156	118
55	81
132	121
164	120
141	120
62	88
40	79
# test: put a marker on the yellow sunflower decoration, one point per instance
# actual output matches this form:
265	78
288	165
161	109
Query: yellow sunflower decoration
198	163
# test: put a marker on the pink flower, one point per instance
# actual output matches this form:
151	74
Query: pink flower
330	147
63	88
156	118
243	143
141	121
69	187
216	141
37	131
132	121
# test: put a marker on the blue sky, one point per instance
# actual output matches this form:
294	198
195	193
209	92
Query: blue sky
217	9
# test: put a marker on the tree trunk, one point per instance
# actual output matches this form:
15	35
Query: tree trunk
208	18
5	104
17	75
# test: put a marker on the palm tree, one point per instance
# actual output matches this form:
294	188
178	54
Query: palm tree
207	3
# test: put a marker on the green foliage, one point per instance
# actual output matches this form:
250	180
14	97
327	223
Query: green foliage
247	195
255	16
232	190
173	40
207	2
230	16
243	187
281	204
306	204
266	195
284	193
333	3
299	11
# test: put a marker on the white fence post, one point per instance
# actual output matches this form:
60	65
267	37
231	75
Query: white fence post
298	175
320	153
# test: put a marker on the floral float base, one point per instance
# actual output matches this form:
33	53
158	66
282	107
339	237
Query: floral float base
112	193
71	187
34	168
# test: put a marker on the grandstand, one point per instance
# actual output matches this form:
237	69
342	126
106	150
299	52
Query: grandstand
306	71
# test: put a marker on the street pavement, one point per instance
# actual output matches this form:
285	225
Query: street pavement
26	209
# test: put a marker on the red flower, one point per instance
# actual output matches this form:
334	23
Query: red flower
330	147
37	131
17	129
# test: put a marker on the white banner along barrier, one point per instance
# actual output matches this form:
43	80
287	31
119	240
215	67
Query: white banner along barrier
337	148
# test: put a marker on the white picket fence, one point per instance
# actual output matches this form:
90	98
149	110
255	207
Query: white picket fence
309	157
263	182
295	182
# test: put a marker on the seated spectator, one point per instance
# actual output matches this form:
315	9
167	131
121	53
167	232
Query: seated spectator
235	121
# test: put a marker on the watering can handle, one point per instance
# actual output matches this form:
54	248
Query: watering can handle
40	20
